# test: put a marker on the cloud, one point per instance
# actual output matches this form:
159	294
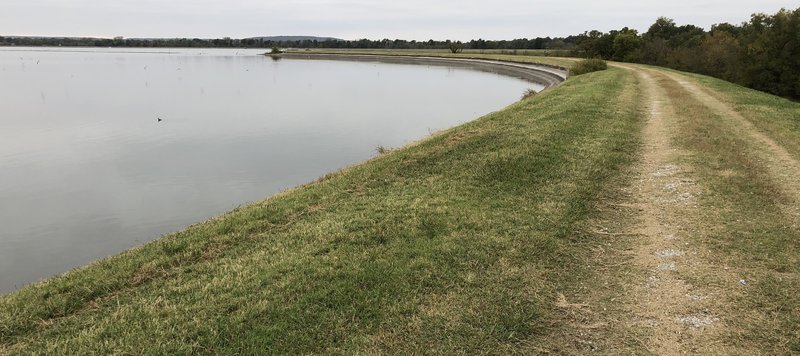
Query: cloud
351	19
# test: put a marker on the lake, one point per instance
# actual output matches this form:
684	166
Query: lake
87	170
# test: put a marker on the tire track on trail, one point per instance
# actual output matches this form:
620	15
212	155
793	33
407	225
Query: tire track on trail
782	166
677	316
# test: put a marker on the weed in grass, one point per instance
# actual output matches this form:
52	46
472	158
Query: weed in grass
528	93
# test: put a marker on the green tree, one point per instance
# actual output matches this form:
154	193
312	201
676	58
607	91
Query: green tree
626	46
773	53
664	28
456	47
721	53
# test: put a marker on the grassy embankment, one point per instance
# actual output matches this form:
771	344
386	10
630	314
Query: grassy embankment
551	61
474	240
462	242
514	52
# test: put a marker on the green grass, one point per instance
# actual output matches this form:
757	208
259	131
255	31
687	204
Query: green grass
461	243
526	52
530	59
748	229
458	244
778	117
511	52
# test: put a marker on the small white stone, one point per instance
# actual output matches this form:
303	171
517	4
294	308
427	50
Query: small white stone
667	266
670	253
697	321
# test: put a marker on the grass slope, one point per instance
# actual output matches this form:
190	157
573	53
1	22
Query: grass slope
550	61
460	243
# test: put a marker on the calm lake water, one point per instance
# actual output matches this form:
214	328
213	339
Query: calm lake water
86	169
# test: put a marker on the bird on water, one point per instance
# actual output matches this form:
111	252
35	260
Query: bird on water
159	119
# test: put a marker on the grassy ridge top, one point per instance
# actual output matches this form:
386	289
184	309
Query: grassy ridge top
531	59
464	242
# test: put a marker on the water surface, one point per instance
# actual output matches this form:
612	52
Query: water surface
86	169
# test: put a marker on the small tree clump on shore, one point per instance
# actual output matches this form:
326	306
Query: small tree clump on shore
528	93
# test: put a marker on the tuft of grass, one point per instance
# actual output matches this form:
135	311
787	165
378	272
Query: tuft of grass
382	150
587	66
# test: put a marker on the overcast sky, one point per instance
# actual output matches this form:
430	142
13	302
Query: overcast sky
353	19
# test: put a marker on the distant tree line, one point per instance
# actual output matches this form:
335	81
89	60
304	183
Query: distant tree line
129	42
763	53
523	43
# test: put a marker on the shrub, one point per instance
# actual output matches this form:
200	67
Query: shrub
588	66
528	93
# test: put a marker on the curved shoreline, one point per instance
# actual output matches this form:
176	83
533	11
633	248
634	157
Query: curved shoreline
378	230
548	76
488	66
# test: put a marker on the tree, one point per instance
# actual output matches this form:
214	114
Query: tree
626	45
597	44
663	28
721	55
456	47
772	46
726	27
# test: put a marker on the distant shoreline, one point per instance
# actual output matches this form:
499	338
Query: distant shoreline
547	75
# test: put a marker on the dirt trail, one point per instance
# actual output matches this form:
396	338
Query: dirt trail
783	167
678	317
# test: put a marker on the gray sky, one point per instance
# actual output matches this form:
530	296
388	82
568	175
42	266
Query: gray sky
353	19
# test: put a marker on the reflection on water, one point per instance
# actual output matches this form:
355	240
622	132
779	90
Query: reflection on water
87	170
